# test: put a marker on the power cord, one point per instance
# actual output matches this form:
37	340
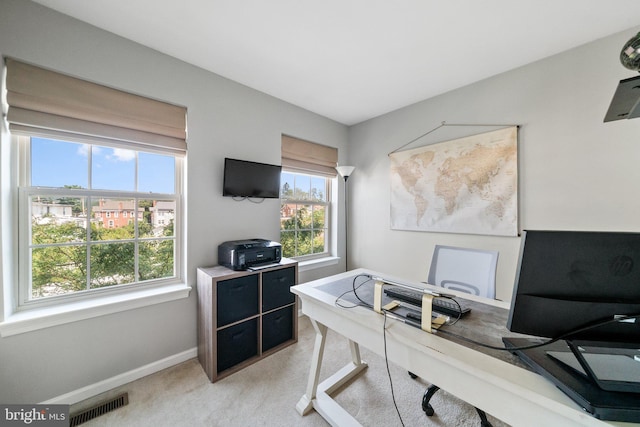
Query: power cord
363	303
251	199
354	290
594	325
460	337
386	361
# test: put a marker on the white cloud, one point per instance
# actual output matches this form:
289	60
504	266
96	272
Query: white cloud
123	155
83	150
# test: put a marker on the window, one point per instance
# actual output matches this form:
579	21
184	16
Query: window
81	154
308	171
69	188
304	213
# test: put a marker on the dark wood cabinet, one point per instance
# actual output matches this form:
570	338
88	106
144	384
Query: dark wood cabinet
244	316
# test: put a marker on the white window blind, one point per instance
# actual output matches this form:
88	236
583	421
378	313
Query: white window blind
42	100
309	157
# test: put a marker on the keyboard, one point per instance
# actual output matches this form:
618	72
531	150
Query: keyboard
440	305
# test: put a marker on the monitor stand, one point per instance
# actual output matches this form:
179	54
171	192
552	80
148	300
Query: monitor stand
602	404
612	366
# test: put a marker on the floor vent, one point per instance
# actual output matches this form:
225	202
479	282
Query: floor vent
99	409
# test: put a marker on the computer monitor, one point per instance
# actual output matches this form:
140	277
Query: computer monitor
568	280
583	287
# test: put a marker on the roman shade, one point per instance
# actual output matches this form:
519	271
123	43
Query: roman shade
44	101
309	156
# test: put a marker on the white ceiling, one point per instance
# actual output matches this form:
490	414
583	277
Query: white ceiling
351	60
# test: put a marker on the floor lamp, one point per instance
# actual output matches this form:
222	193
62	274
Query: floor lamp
344	172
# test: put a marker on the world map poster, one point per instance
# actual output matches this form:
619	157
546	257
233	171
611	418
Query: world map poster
467	185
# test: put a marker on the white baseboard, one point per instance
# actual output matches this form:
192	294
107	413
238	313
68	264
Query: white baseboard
121	379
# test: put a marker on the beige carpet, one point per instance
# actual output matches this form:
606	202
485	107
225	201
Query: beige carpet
266	393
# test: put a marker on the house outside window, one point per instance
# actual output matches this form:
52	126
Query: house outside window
81	154
73	251
304	215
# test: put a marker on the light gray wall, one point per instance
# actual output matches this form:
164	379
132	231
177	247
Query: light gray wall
575	172
225	119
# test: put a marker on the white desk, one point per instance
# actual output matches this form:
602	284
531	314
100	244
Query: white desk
511	393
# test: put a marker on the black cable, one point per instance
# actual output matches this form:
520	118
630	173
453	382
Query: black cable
550	341
453	322
386	361
384	332
366	304
363	303
478	343
354	290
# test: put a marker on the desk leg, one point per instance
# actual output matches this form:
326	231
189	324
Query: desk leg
346	374
318	395
306	402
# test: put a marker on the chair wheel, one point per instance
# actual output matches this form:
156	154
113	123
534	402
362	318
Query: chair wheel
426	406
428	410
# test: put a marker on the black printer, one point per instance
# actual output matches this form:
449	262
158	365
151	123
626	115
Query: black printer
243	254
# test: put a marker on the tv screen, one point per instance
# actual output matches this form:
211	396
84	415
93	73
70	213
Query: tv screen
251	179
567	280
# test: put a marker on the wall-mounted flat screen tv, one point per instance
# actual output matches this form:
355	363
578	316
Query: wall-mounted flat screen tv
243	178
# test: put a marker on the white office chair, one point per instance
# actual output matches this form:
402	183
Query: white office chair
462	269
467	270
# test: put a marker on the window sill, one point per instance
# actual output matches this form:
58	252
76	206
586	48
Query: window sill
312	264
32	320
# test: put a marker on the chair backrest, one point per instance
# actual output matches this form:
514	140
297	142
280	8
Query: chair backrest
463	269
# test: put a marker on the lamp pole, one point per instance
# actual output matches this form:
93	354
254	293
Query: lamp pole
345	172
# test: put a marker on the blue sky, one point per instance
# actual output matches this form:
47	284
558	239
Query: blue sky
58	163
303	183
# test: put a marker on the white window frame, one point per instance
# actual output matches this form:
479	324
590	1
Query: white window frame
329	247
16	315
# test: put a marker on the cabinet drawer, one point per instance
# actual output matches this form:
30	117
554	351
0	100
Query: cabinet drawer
275	288
277	327
237	343
237	299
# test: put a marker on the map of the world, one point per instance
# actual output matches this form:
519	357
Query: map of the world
466	185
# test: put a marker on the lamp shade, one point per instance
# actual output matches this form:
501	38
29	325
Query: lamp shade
630	54
345	171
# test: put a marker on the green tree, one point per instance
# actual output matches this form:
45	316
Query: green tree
286	191
77	203
112	264
303	233
61	268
